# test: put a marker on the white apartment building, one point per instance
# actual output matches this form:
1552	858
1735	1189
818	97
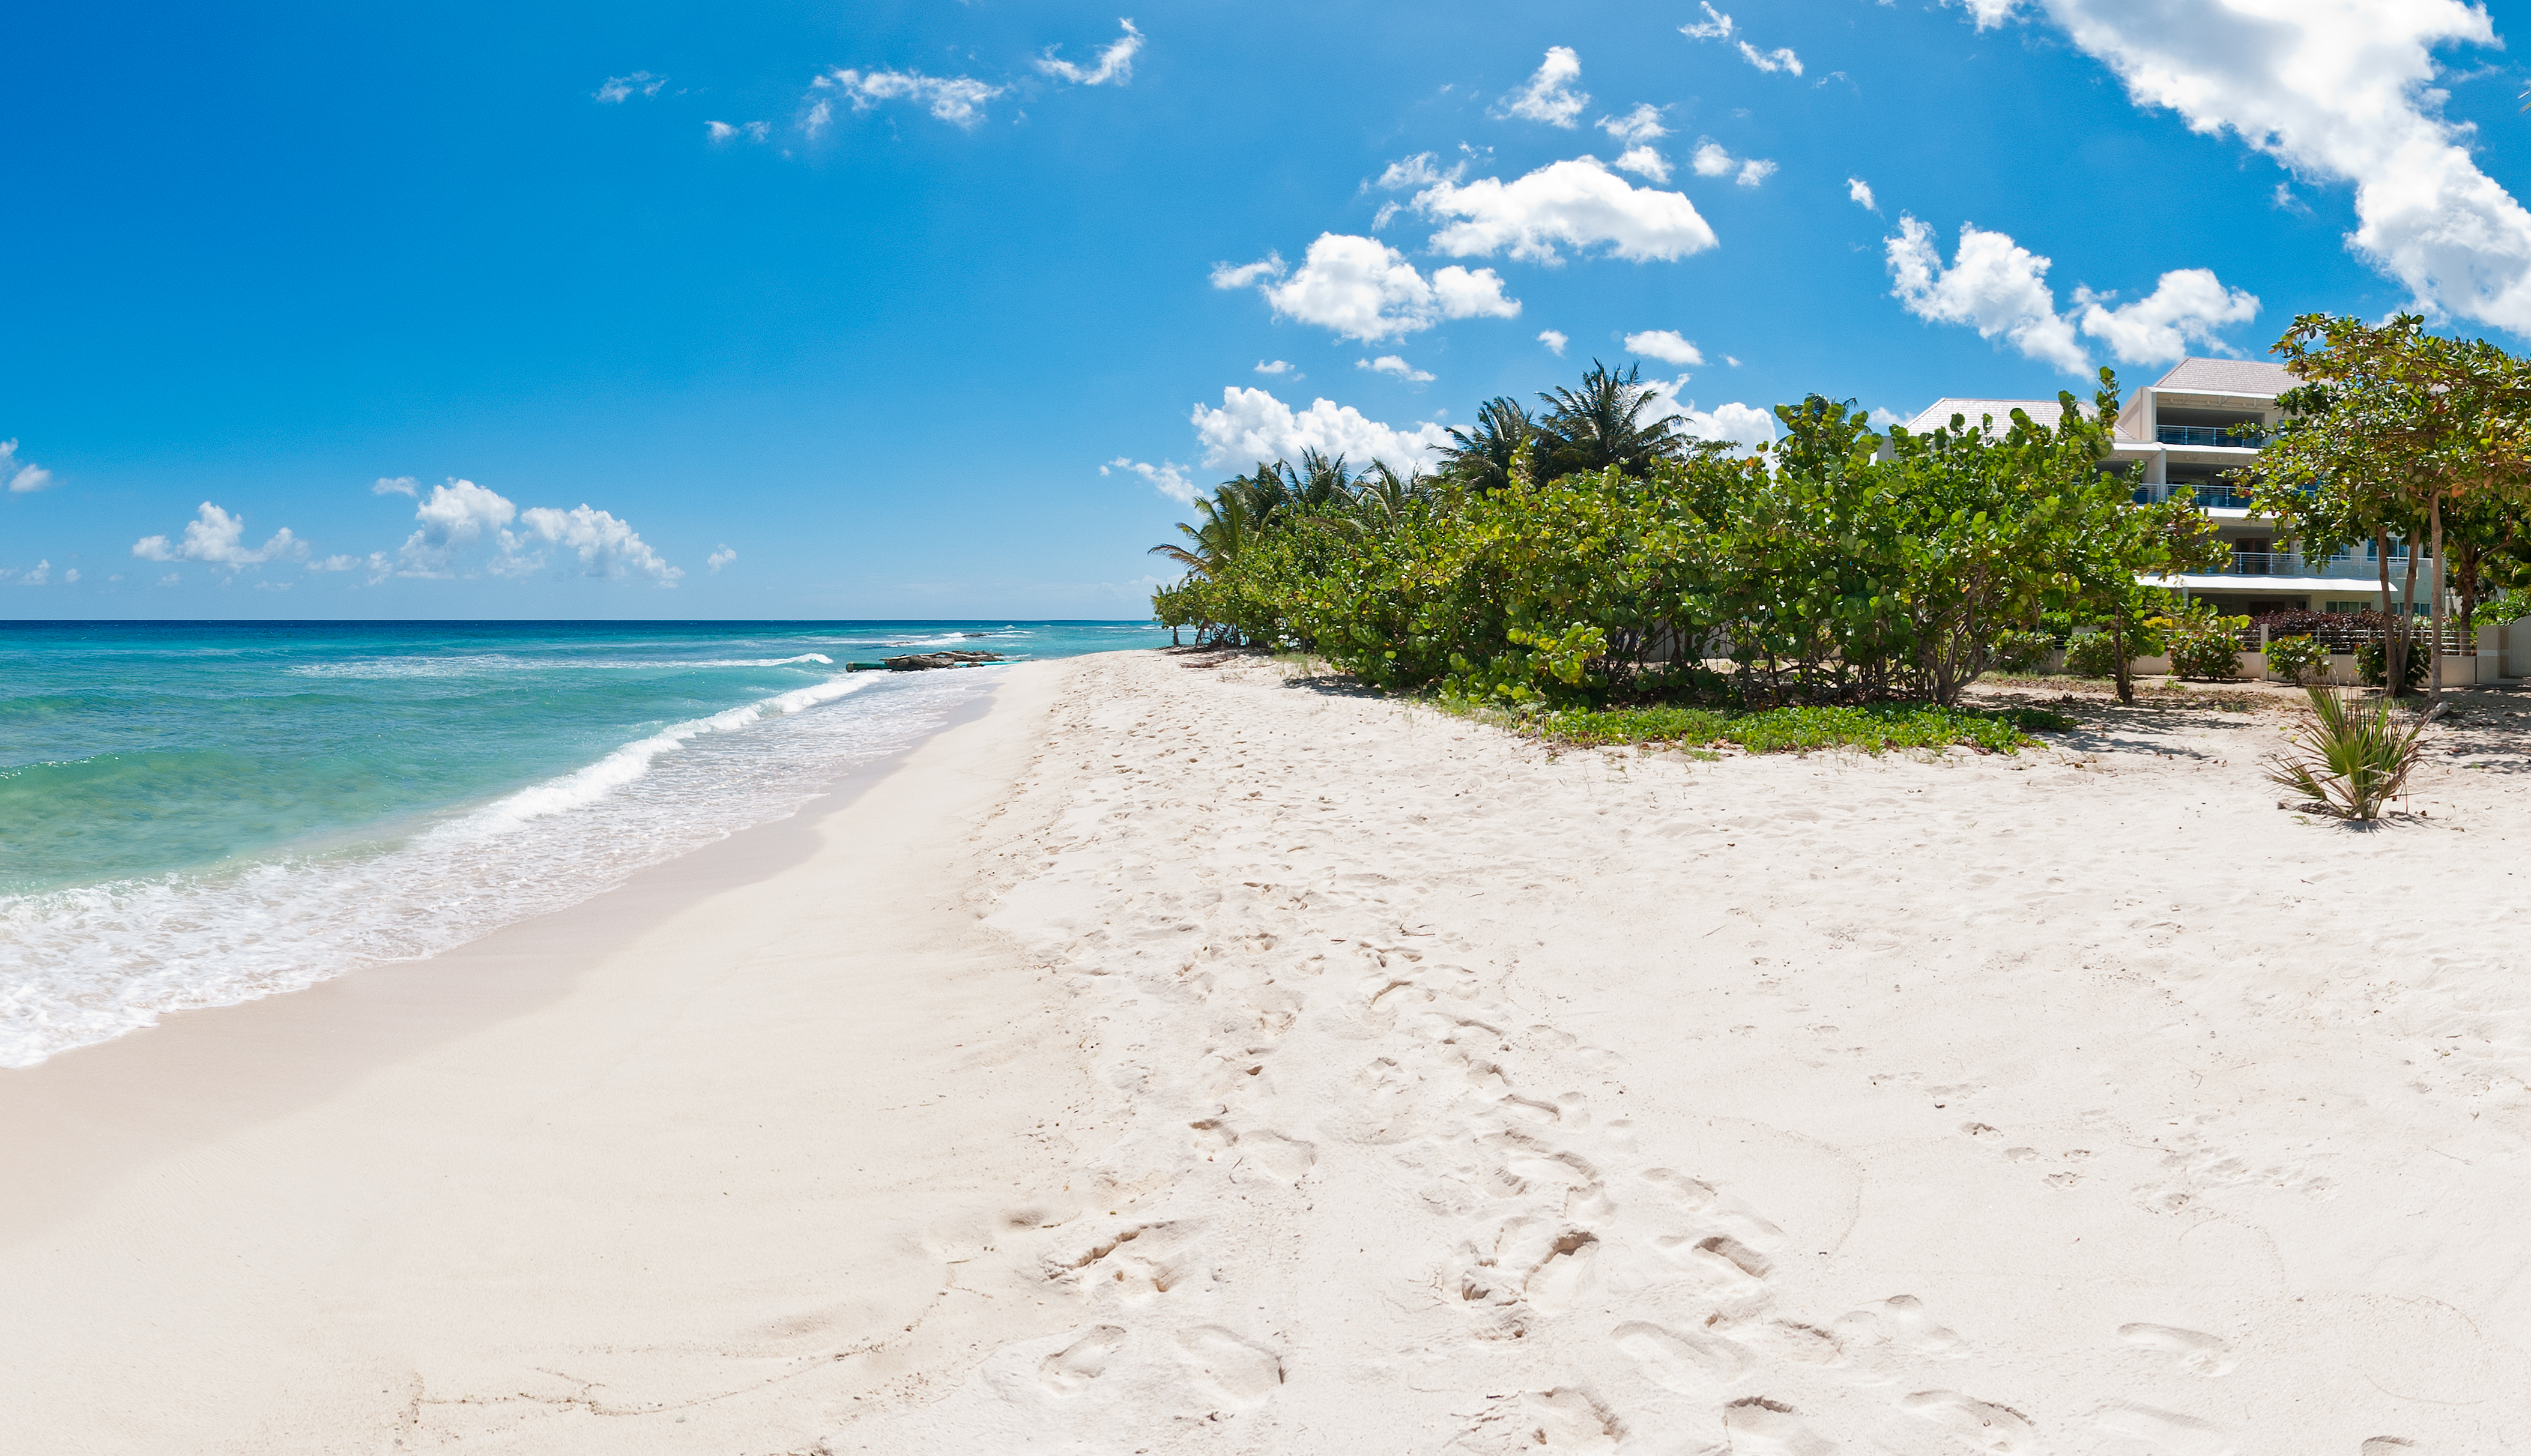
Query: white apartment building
2180	433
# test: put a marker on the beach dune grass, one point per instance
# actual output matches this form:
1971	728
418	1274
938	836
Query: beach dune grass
1869	727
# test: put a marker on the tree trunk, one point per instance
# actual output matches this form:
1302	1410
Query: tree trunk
2394	679
2125	673
2382	555
2435	649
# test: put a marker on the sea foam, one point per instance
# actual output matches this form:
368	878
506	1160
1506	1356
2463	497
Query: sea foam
88	962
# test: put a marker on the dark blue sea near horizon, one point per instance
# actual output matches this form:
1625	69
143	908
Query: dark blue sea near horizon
198	813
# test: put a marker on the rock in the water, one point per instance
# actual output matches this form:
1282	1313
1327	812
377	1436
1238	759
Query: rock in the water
923	661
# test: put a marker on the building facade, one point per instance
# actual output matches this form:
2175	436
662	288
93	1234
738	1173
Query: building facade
2179	436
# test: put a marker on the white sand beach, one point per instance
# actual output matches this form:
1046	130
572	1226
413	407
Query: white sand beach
1187	1056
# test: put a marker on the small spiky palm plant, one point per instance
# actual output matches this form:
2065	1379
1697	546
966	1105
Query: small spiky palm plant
2355	757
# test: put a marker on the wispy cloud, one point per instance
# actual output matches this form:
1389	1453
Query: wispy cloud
1720	26
754	130
721	558
1394	365
1115	62
1167	478
959	101
622	88
1861	192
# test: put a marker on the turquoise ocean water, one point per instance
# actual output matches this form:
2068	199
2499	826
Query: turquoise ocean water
198	813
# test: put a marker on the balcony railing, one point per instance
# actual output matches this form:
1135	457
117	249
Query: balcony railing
2342	568
2223	496
2242	437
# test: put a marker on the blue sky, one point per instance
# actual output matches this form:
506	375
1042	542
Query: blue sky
955	302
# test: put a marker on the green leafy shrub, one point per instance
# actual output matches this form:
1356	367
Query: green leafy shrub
2299	659
2207	656
2355	757
2022	652
2369	667
2201	642
2092	654
1872	727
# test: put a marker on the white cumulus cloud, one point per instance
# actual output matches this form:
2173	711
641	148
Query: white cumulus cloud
721	558
1861	192
1666	345
1279	366
1576	204
1364	289
22	475
1168	478
604	545
1553	341
2000	288
218	538
2187	306
396	486
1643	161
1252	425
1714	159
956	100
1745	426
1115	63
1390	364
38	573
455	516
1550	96
621	88
2339	91
1994	284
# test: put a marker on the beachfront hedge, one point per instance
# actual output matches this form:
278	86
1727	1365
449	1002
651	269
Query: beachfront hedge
1838	565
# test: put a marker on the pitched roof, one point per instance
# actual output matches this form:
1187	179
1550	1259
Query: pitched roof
1938	415
2227	376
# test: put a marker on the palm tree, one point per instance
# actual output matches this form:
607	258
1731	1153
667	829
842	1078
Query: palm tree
1230	527
1602	424
1480	457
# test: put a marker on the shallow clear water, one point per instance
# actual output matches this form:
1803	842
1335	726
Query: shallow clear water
192	815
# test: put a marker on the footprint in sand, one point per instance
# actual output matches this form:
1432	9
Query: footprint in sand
2197	1353
1070	1370
1240	1372
1565	1420
2168	1433
1689	1364
1563	1277
2387	1445
1981	1424
1766	1427
1901	1321
1286	1159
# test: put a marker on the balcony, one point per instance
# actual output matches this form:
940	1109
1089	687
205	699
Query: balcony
2348	567
2241	437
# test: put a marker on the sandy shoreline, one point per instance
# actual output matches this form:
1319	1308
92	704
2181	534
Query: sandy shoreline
1183	1058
